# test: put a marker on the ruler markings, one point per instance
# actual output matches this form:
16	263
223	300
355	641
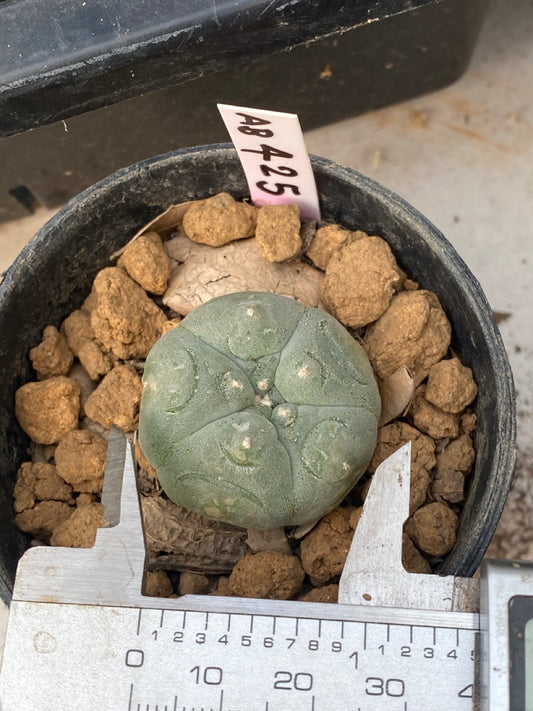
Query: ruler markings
362	635
341	621
212	620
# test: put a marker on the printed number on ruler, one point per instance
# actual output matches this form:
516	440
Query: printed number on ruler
271	148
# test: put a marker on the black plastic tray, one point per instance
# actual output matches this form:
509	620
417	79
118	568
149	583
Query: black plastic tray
326	60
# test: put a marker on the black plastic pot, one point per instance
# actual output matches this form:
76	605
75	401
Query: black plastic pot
53	275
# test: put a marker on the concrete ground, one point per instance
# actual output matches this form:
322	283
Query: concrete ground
464	157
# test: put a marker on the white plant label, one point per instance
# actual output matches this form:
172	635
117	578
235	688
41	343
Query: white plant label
271	148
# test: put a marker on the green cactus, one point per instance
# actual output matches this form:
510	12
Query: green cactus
258	411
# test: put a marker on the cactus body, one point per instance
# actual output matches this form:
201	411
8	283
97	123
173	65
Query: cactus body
258	411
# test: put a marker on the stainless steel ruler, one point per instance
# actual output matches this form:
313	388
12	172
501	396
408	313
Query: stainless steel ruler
150	659
81	636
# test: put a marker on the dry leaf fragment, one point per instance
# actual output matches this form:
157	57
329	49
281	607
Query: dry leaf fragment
397	391
273	539
184	540
164	224
302	530
204	272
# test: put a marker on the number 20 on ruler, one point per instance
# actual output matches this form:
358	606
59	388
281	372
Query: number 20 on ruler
271	148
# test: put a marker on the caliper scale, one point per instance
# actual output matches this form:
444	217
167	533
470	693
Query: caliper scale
81	635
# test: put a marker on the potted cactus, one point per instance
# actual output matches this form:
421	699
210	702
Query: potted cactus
76	244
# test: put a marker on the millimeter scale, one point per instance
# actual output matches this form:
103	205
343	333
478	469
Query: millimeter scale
82	636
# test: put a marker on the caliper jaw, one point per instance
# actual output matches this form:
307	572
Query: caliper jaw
373	573
109	573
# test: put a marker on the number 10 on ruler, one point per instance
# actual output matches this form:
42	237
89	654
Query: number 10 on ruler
271	148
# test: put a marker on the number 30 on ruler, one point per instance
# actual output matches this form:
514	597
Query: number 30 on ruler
271	148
